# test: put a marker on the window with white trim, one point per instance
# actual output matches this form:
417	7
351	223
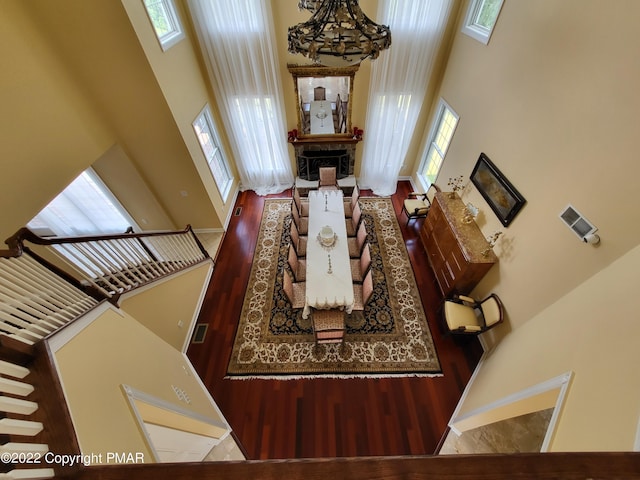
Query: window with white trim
481	18
442	131
210	143
85	207
165	21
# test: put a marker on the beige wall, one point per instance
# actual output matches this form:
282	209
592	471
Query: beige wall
167	302
72	90
113	350
552	100
593	331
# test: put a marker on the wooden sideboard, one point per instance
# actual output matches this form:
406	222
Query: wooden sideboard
454	248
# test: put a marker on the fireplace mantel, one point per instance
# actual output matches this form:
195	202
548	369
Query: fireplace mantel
312	154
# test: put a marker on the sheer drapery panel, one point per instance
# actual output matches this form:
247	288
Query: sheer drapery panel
400	79
238	46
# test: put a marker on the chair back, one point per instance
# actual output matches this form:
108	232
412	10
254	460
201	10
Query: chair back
356	214
327	176
287	285
296	199
361	236
295	237
319	93
367	287
492	310
295	214
365	259
293	259
355	195
431	192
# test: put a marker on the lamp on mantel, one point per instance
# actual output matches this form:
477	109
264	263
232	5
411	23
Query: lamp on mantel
338	34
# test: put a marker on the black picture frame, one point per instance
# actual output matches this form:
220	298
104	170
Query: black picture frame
500	194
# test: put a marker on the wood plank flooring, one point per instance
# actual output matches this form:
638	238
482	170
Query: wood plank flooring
313	418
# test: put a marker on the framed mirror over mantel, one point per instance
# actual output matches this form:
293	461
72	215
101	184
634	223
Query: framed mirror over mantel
323	101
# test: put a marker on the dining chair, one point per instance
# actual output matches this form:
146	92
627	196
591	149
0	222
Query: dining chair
360	266
299	242
465	315
328	178
353	223
298	267
356	244
295	292
417	205
319	93
328	325
351	202
302	223
301	204
362	292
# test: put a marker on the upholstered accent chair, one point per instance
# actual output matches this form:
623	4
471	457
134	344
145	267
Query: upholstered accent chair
328	178
299	242
360	266
302	204
363	292
349	204
298	267
302	223
295	292
354	222
328	325
356	244
417	205
465	315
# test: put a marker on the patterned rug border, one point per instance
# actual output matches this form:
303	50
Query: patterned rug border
407	351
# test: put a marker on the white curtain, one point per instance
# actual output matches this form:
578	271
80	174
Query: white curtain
399	79
238	45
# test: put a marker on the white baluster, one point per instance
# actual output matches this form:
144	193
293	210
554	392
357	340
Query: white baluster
15	387
15	447
30	474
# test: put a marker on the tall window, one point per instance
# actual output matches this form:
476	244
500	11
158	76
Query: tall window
481	18
440	137
238	47
399	82
210	143
165	21
85	207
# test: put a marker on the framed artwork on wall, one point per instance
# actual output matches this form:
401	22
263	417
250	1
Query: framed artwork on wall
500	194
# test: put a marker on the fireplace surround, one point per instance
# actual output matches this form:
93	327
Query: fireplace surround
311	156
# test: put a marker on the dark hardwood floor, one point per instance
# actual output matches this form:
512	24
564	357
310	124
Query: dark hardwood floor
326	417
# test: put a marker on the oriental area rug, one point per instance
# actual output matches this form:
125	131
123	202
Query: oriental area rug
389	338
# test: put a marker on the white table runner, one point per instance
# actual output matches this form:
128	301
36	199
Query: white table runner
324	289
321	117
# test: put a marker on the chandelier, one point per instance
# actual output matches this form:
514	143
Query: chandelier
338	33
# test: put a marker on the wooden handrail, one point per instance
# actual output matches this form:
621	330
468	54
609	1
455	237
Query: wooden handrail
565	466
16	241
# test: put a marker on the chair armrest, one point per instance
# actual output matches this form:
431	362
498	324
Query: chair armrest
467	299
418	194
470	328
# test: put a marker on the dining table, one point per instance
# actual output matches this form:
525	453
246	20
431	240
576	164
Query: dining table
328	283
321	117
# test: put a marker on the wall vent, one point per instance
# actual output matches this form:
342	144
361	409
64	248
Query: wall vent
578	224
199	333
238	211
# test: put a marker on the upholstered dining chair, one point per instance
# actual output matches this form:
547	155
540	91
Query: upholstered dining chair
360	266
351	203
466	315
328	178
353	223
328	325
299	242
362	292
295	292
417	205
298	267
301	204
356	244
302	223
319	93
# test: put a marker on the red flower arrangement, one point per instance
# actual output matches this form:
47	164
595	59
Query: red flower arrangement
293	135
357	133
